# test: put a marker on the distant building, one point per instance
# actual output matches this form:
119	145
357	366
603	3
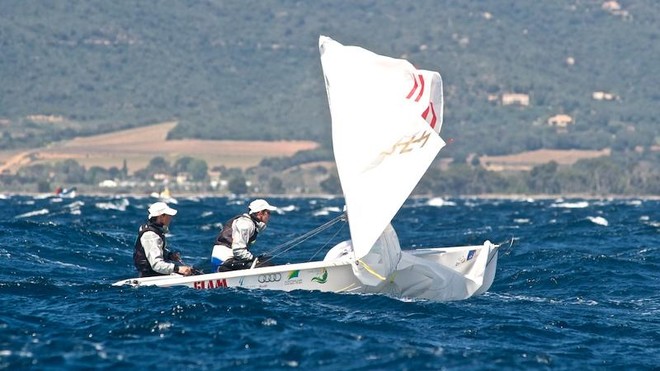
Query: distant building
614	7
611	6
182	178
512	98
161	176
45	119
600	95
108	183
560	121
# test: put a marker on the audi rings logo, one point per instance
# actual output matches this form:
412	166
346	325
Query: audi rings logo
272	277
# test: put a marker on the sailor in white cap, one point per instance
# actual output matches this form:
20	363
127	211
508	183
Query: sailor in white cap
232	246
151	256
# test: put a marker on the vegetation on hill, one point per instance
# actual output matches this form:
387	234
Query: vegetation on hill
250	69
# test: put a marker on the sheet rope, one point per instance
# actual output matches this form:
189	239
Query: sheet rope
286	246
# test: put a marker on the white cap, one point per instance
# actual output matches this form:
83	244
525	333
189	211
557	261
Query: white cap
160	208
258	205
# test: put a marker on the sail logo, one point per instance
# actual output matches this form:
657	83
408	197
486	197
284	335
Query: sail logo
210	284
408	144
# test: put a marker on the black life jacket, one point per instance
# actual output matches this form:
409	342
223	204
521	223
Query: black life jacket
225	239
140	257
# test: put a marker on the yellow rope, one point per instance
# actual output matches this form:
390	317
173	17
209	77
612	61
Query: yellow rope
368	268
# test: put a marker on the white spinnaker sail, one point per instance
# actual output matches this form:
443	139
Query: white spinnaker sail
386	116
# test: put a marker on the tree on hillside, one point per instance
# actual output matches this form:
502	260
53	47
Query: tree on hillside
275	186
238	185
543	178
331	185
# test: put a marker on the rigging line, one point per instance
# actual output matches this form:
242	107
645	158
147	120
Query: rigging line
371	270
511	241
286	246
326	244
295	242
506	252
306	236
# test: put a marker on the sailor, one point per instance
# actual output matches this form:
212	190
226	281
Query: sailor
151	256
232	246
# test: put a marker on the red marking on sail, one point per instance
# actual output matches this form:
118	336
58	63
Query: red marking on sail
421	91
412	91
419	82
430	111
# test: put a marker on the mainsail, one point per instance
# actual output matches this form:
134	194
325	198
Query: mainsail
386	119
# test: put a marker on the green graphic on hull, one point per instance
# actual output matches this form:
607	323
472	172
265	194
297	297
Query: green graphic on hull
293	274
323	278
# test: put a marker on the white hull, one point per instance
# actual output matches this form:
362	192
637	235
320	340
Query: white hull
465	278
321	276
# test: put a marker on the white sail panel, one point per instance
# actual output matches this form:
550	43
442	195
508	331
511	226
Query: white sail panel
382	111
383	258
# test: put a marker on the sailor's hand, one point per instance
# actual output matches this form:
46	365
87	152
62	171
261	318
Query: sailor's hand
185	270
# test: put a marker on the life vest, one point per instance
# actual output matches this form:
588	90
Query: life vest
140	257
224	237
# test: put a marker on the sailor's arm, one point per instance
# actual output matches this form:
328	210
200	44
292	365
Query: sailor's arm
152	245
240	235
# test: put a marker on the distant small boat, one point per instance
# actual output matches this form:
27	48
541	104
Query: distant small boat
165	196
66	192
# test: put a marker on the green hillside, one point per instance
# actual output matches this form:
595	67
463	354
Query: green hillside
251	70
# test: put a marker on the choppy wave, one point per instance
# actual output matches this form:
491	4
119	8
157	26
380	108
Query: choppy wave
579	288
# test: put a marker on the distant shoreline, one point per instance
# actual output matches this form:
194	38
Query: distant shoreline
489	196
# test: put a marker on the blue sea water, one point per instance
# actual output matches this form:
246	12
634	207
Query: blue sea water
578	289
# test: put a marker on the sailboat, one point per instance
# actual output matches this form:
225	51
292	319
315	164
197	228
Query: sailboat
386	120
165	196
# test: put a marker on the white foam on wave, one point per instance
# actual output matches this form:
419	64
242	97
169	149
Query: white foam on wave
582	301
75	204
33	213
598	220
439	202
510	297
326	211
288	208
571	205
116	205
74	207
